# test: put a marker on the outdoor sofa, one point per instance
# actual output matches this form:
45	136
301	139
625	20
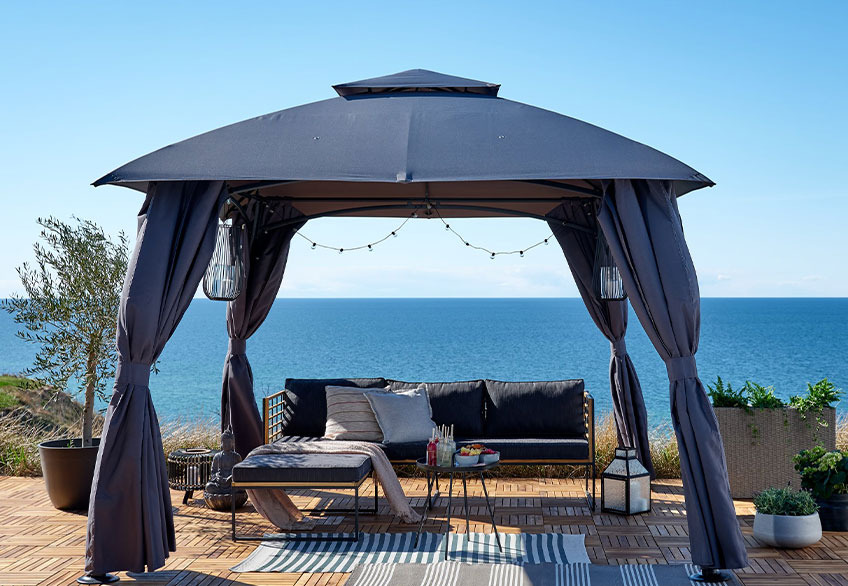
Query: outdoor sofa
545	422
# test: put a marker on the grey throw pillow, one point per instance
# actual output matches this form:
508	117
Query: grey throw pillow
350	416
404	416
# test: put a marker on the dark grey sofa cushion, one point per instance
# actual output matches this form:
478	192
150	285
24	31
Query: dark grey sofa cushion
534	448
454	403
302	468
544	409
510	448
307	402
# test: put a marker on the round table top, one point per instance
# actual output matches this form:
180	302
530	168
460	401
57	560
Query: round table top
422	464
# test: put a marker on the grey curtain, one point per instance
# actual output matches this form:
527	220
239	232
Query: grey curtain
265	262
130	524
642	225
631	419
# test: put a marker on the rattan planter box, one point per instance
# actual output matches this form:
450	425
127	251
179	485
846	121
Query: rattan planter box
759	445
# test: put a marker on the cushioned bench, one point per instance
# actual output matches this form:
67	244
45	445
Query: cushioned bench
299	471
543	422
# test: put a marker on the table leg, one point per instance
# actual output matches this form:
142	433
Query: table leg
427	507
465	498
450	502
491	512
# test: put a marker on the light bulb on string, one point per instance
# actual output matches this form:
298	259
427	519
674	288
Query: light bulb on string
370	248
341	250
493	256
414	214
521	253
447	227
394	234
314	245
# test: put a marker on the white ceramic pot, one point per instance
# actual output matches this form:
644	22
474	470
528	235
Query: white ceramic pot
787	531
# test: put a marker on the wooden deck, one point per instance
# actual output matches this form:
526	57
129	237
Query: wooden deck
40	545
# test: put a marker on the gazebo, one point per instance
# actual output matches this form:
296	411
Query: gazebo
413	143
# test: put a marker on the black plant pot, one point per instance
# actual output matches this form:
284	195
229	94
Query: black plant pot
68	471
833	513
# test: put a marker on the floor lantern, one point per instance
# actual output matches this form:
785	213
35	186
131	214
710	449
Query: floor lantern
625	485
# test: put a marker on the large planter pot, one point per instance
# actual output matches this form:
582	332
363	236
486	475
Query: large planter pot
68	470
759	445
834	512
787	531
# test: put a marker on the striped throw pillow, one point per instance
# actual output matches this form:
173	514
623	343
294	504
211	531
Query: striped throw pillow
350	416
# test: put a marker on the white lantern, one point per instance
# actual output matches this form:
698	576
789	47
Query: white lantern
625	485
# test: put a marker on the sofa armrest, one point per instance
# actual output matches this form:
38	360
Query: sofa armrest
589	422
274	416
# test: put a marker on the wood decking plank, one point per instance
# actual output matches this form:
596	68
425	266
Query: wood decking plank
42	546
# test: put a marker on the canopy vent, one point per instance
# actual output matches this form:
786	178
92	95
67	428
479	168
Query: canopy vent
417	80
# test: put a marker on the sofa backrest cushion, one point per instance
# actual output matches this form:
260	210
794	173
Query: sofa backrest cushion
457	403
545	409
306	402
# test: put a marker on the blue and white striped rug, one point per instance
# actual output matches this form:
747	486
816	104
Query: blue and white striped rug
582	574
397	548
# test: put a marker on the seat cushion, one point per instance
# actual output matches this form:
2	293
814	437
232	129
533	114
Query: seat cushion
317	468
405	451
454	403
534	448
546	409
306	402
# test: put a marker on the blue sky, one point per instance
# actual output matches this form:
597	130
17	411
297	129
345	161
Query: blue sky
751	94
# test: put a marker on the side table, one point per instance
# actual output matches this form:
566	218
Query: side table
433	473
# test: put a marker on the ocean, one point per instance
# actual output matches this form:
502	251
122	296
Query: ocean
781	342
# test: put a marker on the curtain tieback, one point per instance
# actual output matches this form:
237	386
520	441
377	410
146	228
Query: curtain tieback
237	346
681	367
618	347
133	373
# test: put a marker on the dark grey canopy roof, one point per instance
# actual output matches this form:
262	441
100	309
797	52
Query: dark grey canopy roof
410	135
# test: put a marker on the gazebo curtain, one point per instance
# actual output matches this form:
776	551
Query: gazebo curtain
642	225
631	419
130	524
265	262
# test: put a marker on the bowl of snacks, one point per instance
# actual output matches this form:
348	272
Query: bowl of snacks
467	456
488	456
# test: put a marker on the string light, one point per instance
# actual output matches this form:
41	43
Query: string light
369	247
393	234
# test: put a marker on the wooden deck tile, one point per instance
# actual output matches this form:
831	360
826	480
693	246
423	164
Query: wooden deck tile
42	546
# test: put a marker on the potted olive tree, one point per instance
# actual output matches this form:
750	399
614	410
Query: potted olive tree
786	518
825	475
69	311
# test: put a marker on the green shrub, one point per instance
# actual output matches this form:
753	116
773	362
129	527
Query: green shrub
760	397
785	501
823	473
724	396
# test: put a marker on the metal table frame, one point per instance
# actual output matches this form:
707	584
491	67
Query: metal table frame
433	473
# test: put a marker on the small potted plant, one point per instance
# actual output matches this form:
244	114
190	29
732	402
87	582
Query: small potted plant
786	518
69	311
825	475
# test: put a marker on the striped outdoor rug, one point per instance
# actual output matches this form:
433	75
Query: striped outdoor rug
397	548
455	573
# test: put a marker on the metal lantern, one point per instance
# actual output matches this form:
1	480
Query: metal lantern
224	277
189	469
625	485
606	278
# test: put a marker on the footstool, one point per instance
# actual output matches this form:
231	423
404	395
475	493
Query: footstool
300	471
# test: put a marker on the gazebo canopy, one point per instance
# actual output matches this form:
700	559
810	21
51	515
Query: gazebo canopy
410	137
390	146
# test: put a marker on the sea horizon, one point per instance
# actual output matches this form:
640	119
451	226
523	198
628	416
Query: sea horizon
779	341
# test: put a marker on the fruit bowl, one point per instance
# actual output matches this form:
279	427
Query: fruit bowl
489	457
469	460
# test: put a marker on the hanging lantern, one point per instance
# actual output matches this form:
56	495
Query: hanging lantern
224	277
625	485
606	278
